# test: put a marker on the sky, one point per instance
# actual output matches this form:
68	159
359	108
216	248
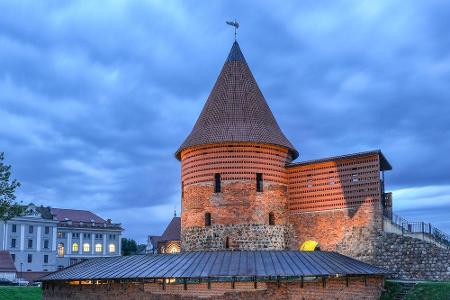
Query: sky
96	96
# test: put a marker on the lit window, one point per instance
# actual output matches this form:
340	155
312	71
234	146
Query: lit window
60	249
75	247
98	247
86	247
112	248
173	248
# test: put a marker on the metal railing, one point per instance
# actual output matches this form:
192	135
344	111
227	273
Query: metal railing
426	229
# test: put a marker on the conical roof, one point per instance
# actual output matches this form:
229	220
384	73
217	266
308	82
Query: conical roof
236	110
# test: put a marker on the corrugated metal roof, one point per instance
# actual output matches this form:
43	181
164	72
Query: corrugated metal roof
216	264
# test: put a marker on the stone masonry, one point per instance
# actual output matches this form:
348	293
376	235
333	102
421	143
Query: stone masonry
406	257
241	236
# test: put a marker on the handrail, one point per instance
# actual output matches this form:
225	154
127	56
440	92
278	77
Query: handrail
426	229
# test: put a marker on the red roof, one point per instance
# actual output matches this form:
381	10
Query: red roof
6	262
76	215
172	232
236	111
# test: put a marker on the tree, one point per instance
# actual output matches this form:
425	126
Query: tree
8	207
129	247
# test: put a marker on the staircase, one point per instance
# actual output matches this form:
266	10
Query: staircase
419	230
406	289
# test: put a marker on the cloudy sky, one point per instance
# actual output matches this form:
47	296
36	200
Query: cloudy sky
95	97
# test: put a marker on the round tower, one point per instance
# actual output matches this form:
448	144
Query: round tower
234	180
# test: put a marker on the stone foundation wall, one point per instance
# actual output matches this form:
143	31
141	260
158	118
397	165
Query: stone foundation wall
335	288
407	257
411	258
240	236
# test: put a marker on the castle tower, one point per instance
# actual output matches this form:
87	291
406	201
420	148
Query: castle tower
234	180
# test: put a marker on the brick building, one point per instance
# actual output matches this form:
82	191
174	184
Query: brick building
241	185
169	241
242	191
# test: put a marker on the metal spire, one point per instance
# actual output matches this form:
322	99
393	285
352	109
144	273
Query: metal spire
235	24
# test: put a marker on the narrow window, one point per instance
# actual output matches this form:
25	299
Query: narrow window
30	244
217	183
182	190
13	256
46	259
45	244
47	229
271	219
259	182
30	229
13	243
14	228
227	243
30	258
207	219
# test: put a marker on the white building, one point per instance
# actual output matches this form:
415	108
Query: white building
48	239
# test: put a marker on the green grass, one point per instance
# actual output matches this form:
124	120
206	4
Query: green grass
422	291
20	293
392	288
430	291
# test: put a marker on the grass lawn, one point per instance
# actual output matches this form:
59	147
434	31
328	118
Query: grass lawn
422	291
431	291
20	293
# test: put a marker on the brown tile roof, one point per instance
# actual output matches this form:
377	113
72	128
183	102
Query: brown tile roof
6	262
76	215
236	110
33	276
172	232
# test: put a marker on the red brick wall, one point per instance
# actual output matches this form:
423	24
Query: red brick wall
327	199
335	288
238	202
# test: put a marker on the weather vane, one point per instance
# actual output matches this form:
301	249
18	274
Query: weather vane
235	24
